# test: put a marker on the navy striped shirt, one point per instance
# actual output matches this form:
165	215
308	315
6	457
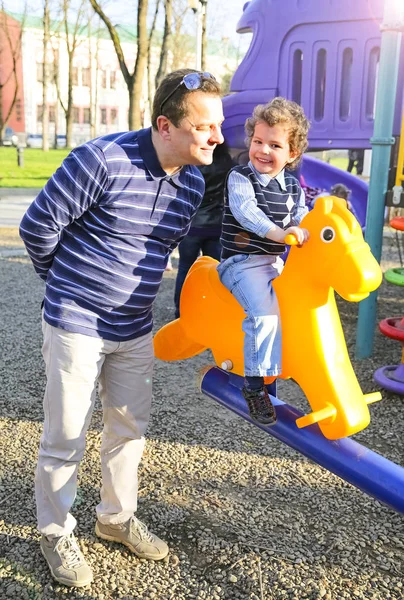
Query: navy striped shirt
101	231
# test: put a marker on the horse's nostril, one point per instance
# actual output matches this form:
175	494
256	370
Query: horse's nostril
327	234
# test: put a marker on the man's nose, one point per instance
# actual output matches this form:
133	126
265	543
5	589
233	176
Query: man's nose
216	135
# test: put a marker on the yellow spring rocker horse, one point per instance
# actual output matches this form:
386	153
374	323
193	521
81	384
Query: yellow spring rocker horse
336	257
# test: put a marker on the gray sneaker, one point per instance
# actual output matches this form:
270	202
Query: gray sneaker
66	561
135	535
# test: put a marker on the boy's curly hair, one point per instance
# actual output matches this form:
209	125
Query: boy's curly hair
285	112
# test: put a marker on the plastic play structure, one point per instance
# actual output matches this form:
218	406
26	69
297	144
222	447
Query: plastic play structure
325	56
212	318
391	377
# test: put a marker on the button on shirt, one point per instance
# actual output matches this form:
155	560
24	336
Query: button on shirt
101	231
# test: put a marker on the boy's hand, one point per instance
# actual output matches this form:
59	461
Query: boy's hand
278	235
301	235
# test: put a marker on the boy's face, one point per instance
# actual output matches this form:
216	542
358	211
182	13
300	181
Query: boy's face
269	150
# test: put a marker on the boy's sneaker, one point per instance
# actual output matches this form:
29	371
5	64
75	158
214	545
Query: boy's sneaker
135	535
260	406
66	561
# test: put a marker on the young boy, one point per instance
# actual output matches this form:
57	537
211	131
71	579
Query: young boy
263	203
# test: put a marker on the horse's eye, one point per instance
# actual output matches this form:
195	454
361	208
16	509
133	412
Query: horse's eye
327	234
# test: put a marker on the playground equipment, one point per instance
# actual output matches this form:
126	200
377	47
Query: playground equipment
351	461
391	377
395	275
315	354
325	56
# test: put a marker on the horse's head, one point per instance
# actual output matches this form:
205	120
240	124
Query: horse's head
336	255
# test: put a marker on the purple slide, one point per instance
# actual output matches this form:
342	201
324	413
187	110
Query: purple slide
320	174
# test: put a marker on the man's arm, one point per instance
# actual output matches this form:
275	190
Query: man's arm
72	190
243	205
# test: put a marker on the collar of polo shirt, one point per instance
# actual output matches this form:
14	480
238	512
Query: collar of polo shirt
151	161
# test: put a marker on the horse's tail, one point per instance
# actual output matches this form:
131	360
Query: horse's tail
171	343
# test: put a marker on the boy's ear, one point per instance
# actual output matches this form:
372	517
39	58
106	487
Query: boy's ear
293	156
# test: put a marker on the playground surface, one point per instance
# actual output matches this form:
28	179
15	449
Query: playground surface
246	517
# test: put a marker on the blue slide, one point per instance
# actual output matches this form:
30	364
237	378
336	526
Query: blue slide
320	174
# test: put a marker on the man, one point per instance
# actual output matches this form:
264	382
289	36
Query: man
100	234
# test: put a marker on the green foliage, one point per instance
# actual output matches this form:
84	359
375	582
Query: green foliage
38	167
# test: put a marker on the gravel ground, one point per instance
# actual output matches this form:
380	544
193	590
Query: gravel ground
246	517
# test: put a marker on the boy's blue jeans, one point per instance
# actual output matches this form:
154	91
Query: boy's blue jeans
249	278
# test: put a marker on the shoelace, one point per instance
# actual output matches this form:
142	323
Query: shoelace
141	529
69	551
260	403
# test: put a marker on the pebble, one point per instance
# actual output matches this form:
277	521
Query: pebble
225	495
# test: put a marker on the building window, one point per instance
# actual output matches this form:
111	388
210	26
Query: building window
85	77
52	113
373	72
86	115
39	111
114	116
319	98
346	85
113	80
76	114
103	79
103	115
39	72
297	76
75	76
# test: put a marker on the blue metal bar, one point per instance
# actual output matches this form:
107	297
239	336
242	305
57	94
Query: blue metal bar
363	468
381	144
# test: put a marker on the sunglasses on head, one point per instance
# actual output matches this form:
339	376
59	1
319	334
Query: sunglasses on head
192	81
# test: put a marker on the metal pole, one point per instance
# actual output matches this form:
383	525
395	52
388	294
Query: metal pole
363	468
381	145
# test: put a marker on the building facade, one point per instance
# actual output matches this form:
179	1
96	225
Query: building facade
100	95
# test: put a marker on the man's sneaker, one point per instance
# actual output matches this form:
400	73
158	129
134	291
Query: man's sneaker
65	560
260	406
135	535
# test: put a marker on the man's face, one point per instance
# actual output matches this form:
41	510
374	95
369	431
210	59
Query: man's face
198	134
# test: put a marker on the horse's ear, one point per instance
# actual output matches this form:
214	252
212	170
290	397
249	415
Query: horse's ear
324	204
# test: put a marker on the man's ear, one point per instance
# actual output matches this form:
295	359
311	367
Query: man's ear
164	126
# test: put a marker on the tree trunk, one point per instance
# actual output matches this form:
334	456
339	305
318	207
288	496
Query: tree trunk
165	47
204	40
69	109
135	81
45	78
135	118
149	59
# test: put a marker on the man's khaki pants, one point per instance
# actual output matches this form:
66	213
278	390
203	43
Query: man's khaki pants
74	364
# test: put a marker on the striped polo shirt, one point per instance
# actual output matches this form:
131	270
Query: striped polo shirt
101	231
254	204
